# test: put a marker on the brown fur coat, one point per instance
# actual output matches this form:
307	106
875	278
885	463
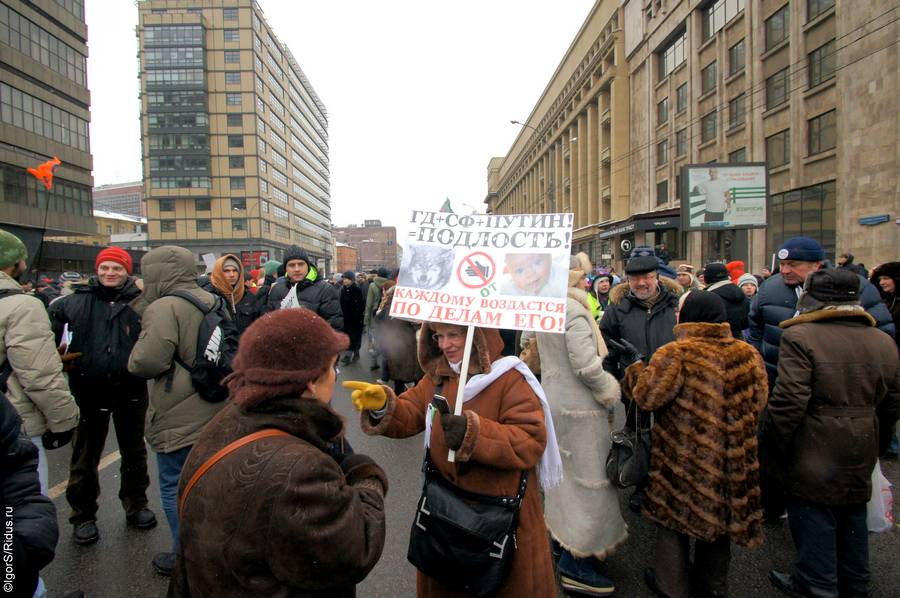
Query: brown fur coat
707	390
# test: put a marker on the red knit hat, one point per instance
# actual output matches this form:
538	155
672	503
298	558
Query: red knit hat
280	353
114	254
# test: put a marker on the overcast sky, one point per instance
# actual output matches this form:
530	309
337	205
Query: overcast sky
419	94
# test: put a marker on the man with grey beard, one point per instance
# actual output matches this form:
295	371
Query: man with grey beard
641	311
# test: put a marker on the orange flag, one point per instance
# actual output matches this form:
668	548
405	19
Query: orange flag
44	172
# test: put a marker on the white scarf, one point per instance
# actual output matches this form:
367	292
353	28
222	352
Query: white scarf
550	469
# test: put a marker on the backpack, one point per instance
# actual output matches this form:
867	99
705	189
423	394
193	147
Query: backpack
6	369
217	343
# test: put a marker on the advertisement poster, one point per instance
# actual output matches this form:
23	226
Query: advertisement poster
495	271
724	196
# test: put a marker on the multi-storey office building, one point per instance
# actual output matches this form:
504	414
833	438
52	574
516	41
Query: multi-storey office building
44	112
375	244
235	141
121	198
807	86
571	154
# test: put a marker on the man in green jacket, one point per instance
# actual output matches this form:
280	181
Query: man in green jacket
30	366
170	326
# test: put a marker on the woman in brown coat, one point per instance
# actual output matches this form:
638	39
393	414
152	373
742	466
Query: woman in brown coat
706	390
286	515
503	433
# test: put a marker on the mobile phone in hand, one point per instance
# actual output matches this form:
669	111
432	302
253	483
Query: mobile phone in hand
440	403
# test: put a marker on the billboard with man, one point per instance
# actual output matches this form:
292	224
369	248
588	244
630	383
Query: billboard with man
724	196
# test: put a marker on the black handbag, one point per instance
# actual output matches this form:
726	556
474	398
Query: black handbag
464	539
628	463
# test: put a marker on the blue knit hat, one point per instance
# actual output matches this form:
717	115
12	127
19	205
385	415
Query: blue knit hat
802	249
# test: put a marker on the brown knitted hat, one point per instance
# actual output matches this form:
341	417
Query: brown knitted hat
280	353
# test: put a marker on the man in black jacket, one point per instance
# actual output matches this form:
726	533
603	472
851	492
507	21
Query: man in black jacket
641	312
737	306
102	330
352	305
34	528
303	287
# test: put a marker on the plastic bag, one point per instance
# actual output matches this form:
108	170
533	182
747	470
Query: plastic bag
880	508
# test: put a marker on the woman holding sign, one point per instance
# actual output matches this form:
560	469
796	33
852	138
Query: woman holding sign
500	438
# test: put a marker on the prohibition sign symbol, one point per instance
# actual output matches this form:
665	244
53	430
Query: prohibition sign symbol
476	270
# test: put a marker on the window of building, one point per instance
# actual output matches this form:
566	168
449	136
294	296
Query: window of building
681	98
778	27
738	155
662	152
778	149
238	224
232	57
822	132
778	89
264	206
737	111
230	14
25	111
708	78
816	7
236	182
204	225
233	78
232	35
681	142
736	58
235	120
672	55
708	127
173	35
235	161
238	203
662	111
279	177
203	205
822	64
235	141
264	186
167	205
662	192
233	99
263	166
717	14
809	212
168	57
167	226
180	182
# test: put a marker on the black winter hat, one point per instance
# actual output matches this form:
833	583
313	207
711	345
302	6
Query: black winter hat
702	306
349	275
295	253
383	272
715	272
833	285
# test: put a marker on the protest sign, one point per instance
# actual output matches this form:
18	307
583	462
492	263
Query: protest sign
489	270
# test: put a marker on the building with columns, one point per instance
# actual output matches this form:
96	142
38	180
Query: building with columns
810	87
572	152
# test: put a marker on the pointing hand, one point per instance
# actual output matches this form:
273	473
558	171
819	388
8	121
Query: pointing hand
366	397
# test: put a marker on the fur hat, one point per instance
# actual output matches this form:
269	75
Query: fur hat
280	353
117	255
833	286
701	306
12	249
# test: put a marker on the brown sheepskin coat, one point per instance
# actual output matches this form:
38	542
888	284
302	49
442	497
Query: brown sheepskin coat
505	435
707	390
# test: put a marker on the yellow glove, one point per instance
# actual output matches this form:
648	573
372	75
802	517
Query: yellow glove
367	397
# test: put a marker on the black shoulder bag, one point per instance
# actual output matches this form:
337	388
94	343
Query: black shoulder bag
628	463
463	539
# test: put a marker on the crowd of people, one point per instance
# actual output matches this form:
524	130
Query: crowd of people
737	394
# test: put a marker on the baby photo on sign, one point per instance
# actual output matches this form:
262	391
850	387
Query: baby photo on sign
533	275
426	267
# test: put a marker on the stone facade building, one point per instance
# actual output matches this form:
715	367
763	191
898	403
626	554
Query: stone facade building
376	245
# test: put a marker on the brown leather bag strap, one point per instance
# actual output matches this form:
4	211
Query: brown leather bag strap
230	448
